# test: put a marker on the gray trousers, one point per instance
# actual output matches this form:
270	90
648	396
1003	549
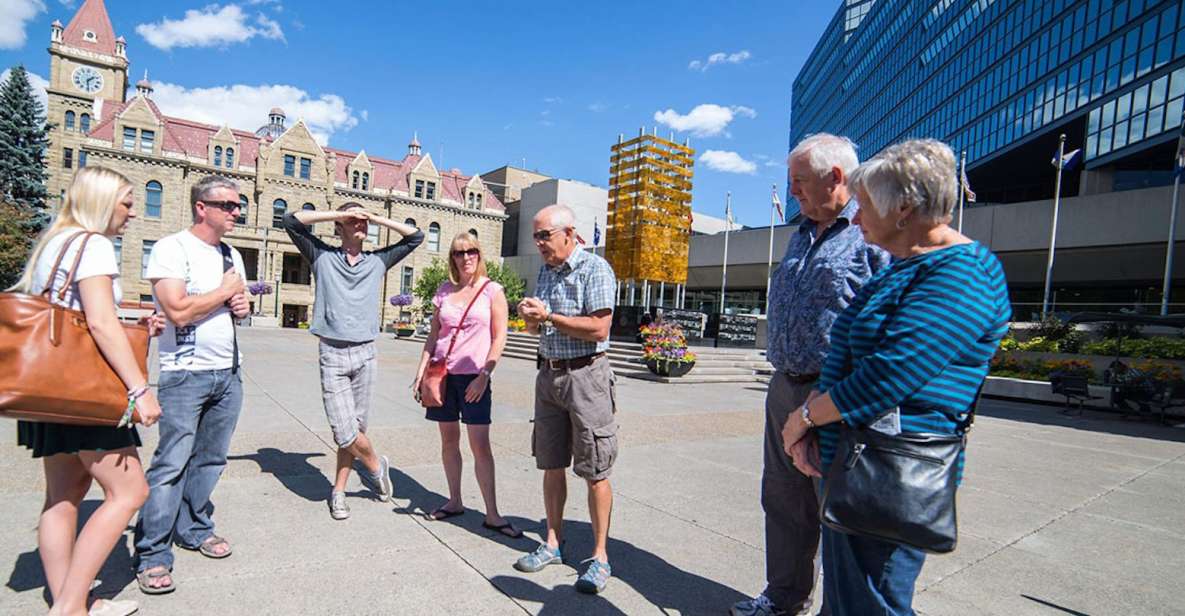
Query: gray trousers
791	506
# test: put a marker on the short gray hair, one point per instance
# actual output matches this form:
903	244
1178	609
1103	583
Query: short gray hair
919	173
824	151
201	191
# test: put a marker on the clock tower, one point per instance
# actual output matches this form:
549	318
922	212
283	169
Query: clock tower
88	71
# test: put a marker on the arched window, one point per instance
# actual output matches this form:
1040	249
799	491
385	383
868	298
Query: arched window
230	158
434	237
84	122
478	202
243	203
411	222
217	156
152	199
69	120
473	232
354	181
279	208
308	206
365	181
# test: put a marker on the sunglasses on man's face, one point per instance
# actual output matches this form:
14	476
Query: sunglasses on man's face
471	252
545	234
225	206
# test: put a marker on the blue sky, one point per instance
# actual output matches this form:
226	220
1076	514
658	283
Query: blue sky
483	83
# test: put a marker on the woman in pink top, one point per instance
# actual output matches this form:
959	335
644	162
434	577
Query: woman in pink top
479	343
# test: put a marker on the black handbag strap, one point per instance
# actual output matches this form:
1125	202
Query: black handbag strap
228	264
969	421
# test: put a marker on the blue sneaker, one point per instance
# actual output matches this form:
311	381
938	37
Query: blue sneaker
540	558
594	579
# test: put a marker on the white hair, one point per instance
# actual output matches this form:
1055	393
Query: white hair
919	173
559	215
824	152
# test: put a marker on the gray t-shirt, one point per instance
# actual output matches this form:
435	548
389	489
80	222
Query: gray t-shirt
346	302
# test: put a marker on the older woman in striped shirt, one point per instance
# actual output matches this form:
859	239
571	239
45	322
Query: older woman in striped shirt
917	337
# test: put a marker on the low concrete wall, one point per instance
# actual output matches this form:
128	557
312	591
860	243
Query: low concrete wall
1040	391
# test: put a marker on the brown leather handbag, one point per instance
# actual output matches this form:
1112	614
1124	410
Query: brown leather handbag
51	370
432	384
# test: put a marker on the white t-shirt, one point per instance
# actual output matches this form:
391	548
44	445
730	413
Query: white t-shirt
206	344
97	260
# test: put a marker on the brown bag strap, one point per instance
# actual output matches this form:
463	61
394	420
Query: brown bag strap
53	273
461	323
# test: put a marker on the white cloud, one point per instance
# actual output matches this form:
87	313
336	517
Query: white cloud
245	107
728	162
551	100
67	3
38	82
17	14
719	58
211	26
365	115
707	120
597	107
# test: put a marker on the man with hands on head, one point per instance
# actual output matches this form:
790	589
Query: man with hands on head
574	390
346	320
197	282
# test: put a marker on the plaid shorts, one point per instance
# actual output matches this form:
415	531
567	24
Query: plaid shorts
347	374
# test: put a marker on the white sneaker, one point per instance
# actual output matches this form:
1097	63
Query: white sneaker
338	509
110	607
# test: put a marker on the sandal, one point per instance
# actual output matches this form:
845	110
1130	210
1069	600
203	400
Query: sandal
443	514
155	573
207	547
506	529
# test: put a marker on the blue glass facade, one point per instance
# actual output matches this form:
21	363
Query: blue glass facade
995	77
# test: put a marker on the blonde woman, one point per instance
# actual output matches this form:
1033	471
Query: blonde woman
99	200
478	344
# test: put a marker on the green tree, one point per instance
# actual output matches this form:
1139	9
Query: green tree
436	273
23	141
15	243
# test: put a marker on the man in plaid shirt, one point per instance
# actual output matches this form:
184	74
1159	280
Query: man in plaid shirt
574	390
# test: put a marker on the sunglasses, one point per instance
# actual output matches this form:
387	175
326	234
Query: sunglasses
545	234
471	252
225	206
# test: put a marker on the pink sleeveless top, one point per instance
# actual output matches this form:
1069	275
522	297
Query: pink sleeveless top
473	337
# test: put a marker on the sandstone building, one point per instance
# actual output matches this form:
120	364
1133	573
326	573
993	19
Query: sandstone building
279	167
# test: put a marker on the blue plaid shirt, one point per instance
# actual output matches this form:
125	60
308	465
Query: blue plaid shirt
816	281
580	286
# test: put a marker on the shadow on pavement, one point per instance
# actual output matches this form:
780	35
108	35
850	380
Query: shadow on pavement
293	470
116	573
1091	420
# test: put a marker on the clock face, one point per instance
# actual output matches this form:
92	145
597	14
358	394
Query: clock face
87	79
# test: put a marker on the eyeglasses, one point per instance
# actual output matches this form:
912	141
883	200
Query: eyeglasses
545	234
225	206
471	252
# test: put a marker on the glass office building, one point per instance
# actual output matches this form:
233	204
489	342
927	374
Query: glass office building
1001	80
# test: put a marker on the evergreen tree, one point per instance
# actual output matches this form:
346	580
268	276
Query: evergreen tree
23	141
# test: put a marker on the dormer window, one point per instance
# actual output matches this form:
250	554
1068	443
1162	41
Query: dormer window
478	201
230	158
430	192
217	156
365	181
354	181
419	189
147	138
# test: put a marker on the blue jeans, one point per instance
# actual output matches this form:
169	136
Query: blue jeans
864	576
199	412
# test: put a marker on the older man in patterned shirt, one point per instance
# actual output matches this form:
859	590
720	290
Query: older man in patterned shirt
826	263
574	397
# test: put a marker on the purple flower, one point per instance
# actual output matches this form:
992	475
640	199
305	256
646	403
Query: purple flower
403	299
260	288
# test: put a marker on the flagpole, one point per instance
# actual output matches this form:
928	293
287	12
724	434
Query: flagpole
724	264
1168	258
769	262
1057	195
962	185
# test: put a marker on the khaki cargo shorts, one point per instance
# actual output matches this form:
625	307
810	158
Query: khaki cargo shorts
574	421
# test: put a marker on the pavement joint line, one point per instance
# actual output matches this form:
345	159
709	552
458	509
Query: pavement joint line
1137	525
289	413
1052	521
685	520
1046	441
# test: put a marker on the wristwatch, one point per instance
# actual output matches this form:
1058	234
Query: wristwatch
485	372
806	416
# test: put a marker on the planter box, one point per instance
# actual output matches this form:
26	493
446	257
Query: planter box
1098	362
259	320
669	368
1039	391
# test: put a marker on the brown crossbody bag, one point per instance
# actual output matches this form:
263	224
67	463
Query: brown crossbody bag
432	385
51	369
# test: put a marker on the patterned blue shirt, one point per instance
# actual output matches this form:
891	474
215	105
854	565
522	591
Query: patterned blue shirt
813	284
580	286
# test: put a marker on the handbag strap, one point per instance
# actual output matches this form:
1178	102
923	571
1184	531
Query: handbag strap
453	339
969	421
53	273
228	264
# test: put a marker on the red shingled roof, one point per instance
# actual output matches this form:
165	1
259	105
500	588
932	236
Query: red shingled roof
93	17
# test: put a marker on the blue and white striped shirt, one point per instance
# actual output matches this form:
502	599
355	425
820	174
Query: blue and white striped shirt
580	286
918	336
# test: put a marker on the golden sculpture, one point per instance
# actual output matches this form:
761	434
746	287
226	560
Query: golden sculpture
649	222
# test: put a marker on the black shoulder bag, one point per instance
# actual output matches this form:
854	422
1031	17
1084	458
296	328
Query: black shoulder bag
897	488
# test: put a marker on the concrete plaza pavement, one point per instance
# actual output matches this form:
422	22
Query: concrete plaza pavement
1057	515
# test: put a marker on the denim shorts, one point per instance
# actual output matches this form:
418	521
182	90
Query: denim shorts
456	408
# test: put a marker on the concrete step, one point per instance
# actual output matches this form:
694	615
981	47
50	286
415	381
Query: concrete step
692	379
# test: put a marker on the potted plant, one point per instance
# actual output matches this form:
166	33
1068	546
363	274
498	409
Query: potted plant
404	326
259	289
665	350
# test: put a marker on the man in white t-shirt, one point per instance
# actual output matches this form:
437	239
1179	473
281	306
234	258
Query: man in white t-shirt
197	281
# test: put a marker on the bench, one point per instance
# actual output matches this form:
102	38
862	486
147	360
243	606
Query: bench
1075	387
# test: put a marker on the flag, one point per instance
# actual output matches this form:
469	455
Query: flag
728	216
596	233
968	194
778	205
1179	163
1069	160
